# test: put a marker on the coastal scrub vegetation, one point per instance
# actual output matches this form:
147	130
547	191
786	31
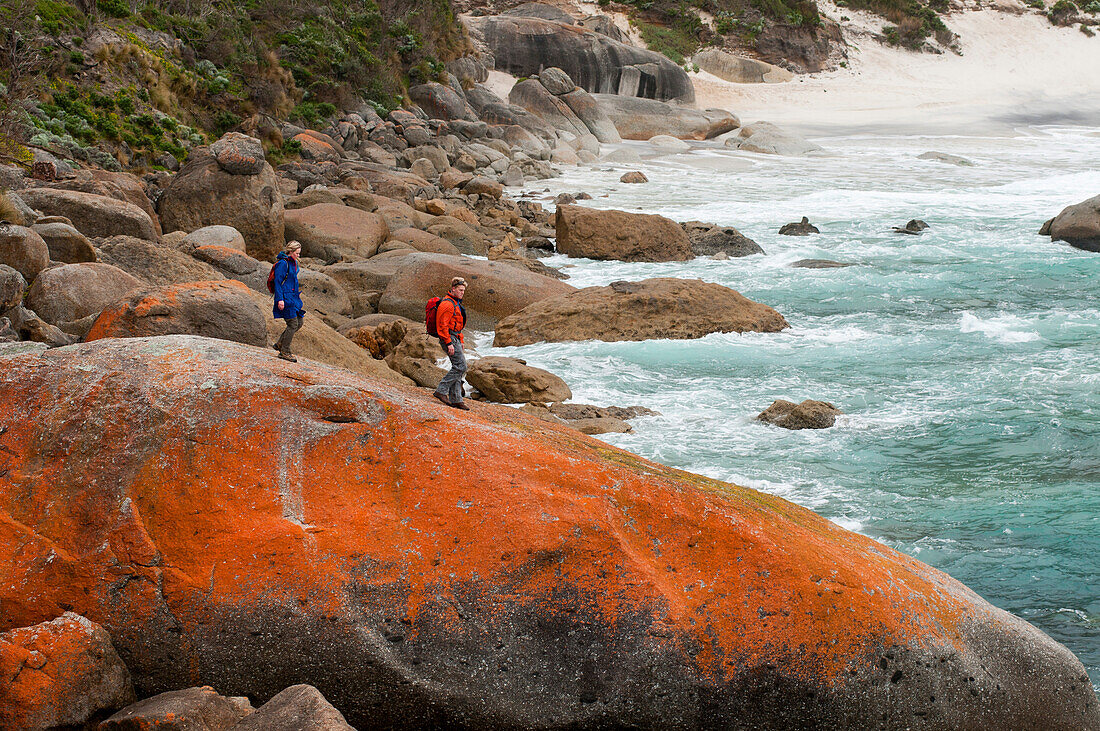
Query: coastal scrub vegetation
146	78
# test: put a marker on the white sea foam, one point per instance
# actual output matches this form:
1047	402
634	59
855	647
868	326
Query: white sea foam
1007	329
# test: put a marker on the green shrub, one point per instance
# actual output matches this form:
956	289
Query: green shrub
55	16
114	8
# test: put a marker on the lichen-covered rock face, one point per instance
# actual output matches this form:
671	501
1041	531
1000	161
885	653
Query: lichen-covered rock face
523	46
58	673
221	309
677	309
237	521
201	709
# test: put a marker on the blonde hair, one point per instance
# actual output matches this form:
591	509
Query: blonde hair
292	246
456	281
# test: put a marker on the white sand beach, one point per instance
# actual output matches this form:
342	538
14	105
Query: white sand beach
1014	70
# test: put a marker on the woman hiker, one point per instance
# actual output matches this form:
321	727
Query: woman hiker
450	318
288	301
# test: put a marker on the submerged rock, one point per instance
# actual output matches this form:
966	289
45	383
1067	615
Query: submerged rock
710	239
802	228
913	227
820	264
809	414
240	520
945	157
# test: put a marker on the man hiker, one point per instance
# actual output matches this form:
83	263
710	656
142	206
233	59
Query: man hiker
288	301
450	317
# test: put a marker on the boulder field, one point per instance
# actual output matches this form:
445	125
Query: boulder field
242	522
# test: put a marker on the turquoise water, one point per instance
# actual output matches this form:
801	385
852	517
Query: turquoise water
966	360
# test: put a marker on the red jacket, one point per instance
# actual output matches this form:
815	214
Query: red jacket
450	318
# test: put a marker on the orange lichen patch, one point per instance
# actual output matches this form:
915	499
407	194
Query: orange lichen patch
195	476
59	672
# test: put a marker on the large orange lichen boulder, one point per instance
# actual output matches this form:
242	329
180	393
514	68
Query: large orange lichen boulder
242	522
59	673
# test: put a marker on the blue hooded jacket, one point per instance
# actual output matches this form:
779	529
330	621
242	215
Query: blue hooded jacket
286	289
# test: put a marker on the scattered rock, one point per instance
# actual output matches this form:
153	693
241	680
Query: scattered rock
190	709
767	138
1079	225
802	228
913	228
601	425
441	102
12	287
944	157
643	119
154	263
93	215
512	381
239	154
820	264
59	673
668	143
635	176
618	235
296	708
73	291
329	231
65	243
483	186
424	241
677	309
572	412
1044	230
710	239
809	414
202	194
32	327
222	309
738	69
225	236
495	289
23	250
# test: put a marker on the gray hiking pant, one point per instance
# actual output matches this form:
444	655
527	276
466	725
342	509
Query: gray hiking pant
451	385
293	325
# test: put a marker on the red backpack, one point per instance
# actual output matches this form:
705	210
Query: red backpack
271	280
429	315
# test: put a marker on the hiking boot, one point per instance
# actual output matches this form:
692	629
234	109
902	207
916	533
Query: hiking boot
275	346
287	356
461	405
442	398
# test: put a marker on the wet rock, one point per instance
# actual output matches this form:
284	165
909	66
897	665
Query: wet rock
59	673
1044	230
573	412
202	194
93	215
512	381
65	243
634	177
328	231
677	309
618	235
190	709
239	154
914	227
809	414
601	425
296	708
23	250
710	239
73	291
802	228
222	309
820	264
944	157
1079	225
